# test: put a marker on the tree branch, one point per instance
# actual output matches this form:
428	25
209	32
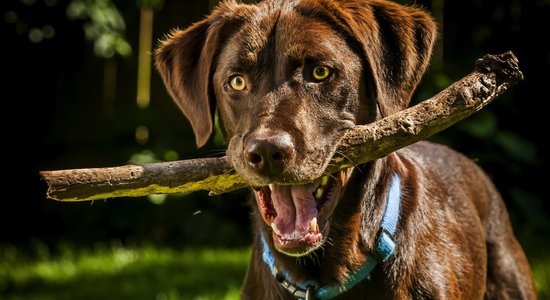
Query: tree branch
492	75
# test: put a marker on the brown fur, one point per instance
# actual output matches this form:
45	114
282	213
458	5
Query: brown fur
454	238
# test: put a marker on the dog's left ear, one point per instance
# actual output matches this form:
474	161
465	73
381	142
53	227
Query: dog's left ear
397	41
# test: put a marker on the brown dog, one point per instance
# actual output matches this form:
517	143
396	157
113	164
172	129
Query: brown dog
288	78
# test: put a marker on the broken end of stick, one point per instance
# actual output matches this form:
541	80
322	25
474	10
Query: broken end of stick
505	66
45	175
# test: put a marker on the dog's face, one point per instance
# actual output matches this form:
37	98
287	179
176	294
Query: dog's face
288	78
283	103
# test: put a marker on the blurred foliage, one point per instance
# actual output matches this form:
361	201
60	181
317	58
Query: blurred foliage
104	25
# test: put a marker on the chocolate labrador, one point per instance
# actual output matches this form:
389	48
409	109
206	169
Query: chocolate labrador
287	79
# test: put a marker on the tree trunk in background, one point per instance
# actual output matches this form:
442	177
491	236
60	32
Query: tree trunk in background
144	59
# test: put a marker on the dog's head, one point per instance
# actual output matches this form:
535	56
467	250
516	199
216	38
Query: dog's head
288	78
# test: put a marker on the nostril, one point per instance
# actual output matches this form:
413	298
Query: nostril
254	158
278	157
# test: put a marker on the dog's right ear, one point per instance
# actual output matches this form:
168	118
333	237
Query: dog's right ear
186	61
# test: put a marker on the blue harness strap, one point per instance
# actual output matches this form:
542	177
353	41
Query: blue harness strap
383	250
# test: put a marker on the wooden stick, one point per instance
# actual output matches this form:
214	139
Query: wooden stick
492	76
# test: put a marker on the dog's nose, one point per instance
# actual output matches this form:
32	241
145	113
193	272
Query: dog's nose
268	153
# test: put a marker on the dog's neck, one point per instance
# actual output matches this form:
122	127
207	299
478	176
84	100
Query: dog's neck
379	251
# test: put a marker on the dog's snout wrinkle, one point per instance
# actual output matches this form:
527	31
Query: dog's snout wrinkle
267	153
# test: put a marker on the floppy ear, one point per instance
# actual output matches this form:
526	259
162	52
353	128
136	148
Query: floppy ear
186	62
397	42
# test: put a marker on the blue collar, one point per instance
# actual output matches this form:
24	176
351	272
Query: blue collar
383	250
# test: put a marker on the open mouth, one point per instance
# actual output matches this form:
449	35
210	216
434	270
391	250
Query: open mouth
299	214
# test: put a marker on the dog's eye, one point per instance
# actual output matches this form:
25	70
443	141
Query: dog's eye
321	73
237	82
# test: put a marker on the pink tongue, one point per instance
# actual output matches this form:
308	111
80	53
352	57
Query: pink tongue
295	207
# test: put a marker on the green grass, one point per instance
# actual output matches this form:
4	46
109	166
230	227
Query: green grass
122	273
147	272
541	274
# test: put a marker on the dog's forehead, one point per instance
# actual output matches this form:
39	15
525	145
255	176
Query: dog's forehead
288	30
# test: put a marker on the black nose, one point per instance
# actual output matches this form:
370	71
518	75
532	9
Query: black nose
269	152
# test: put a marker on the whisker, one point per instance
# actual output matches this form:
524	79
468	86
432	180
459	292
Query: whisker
227	172
315	258
213	152
347	157
351	161
331	176
329	242
301	261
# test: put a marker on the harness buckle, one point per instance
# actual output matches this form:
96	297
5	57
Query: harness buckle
309	292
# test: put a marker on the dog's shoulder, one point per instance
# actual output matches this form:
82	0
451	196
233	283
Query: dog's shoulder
441	159
449	175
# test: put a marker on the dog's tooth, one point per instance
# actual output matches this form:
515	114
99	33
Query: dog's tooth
271	186
313	227
275	229
319	193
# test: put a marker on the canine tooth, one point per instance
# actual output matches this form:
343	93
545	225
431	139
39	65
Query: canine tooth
313	227
271	187
275	229
319	193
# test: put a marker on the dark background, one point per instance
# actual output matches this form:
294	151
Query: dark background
55	115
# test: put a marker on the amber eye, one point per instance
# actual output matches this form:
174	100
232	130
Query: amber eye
237	82
321	73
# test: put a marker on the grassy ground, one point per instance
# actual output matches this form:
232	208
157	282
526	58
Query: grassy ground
541	274
122	273
116	272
